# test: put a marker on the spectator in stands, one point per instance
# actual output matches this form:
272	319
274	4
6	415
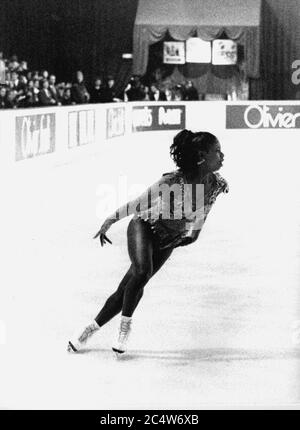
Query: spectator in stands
178	93
12	101
134	91
2	69
146	93
109	92
97	92
45	96
79	91
67	97
169	94
23	67
60	91
23	81
53	89
36	75
16	84
13	63
156	94
3	98
45	74
29	75
36	91
31	98
190	92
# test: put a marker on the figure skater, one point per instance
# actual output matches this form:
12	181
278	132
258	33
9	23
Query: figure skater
166	216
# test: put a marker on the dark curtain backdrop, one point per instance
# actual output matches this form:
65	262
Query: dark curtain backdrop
207	78
65	35
280	47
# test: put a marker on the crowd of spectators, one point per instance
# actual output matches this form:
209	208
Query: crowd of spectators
137	91
21	88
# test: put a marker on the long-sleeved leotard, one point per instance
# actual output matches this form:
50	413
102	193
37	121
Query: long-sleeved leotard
174	209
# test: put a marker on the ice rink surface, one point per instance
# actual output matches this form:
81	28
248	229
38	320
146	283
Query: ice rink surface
217	327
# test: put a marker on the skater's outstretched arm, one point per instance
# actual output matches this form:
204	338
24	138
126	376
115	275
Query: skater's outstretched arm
132	207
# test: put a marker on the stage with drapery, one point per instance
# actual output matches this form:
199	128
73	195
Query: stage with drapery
239	20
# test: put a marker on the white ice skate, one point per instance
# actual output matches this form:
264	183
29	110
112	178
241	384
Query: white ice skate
79	342
121	344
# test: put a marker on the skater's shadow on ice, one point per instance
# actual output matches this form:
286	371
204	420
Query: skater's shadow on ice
187	356
213	355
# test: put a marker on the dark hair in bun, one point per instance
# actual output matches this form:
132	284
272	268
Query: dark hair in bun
185	148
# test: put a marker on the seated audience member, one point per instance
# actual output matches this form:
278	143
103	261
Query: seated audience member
111	94
30	99
156	94
13	63
134	91
190	92
2	69
23	81
12	99
67	97
36	91
97	92
28	96
79	91
146	93
3	98
169	94
23	67
60	91
16	84
36	76
45	74
45	96
178	93
53	89
29	75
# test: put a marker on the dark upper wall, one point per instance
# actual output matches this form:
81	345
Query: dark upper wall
281	47
63	35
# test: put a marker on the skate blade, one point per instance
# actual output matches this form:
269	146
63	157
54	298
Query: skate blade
118	353
71	348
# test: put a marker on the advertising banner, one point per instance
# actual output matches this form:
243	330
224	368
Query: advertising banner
35	135
174	52
224	52
256	116
156	117
81	126
115	122
198	50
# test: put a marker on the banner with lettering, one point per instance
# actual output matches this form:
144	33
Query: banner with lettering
174	52
158	117
35	135
81	128
224	52
115	122
266	116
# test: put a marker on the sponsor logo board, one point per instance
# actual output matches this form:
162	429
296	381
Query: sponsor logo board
115	122
35	135
158	117
260	116
81	128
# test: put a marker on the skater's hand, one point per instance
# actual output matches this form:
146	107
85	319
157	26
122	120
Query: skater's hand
101	233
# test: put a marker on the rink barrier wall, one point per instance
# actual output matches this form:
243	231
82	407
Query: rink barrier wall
59	134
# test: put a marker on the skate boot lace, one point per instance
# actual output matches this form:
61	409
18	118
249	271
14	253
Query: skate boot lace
88	331
124	331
